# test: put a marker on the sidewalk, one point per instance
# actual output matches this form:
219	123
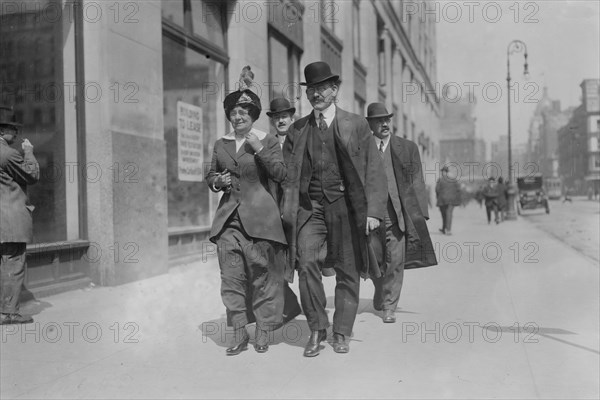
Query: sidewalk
510	312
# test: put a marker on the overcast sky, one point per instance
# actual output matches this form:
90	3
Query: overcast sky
563	44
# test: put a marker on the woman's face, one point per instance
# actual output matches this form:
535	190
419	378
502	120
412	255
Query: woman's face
240	119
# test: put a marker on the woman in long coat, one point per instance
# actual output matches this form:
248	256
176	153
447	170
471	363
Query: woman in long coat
247	165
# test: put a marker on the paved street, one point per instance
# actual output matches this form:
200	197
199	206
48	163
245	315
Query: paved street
575	222
511	312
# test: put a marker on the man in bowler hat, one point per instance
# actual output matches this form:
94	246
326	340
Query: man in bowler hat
334	196
281	115
16	172
403	239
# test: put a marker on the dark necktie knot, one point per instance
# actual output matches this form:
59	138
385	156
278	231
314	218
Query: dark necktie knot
381	147
322	123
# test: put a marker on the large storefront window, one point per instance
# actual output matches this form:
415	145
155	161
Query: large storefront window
193	81
193	76
37	78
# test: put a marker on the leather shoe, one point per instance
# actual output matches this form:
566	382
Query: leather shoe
389	317
238	348
313	346
10	319
261	344
260	348
339	343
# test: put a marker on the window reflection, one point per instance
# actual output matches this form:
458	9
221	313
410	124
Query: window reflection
192	78
26	41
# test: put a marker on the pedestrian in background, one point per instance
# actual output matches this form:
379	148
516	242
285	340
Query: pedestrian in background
502	198
447	191
247	165
405	214
568	195
16	226
281	116
490	194
334	196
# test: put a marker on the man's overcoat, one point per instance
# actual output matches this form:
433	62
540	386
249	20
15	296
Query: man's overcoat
16	172
413	196
364	180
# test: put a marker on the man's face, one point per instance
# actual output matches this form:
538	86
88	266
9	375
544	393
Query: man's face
381	127
9	133
321	96
282	121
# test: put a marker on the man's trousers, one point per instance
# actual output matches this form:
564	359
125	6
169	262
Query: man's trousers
12	267
389	285
328	228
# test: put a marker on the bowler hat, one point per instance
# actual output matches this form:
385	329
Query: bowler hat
318	72
280	104
377	110
8	117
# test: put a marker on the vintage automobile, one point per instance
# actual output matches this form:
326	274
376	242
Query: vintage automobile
532	194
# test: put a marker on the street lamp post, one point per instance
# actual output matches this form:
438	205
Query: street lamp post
516	46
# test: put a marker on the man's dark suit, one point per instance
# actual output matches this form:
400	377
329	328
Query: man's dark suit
16	172
363	195
411	232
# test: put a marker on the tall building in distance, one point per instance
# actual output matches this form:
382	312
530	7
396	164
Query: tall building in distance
578	153
542	145
459	143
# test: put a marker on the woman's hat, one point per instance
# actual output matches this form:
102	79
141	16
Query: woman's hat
377	110
318	72
243	96
278	105
8	117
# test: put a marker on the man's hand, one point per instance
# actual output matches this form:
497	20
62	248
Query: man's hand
223	180
26	145
372	224
254	141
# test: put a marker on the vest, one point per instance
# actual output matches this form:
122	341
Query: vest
394	205
326	179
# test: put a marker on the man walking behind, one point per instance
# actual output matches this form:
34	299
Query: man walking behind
334	196
281	115
447	191
405	213
16	172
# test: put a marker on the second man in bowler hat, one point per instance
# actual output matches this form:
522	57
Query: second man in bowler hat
334	196
403	239
281	115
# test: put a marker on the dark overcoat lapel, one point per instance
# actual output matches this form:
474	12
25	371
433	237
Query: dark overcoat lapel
409	180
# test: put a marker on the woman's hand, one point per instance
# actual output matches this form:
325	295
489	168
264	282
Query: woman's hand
223	180
254	141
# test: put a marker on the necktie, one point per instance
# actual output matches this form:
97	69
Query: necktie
322	123
381	147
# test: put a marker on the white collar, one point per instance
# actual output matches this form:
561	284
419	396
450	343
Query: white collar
260	134
386	141
328	114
